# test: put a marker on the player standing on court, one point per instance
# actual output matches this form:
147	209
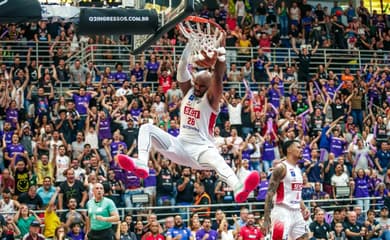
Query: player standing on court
284	197
194	147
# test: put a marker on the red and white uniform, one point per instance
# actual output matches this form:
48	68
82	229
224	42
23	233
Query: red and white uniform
194	147
289	192
286	216
197	118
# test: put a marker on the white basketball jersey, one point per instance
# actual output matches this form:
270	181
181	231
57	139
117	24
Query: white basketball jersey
290	188
7	207
197	118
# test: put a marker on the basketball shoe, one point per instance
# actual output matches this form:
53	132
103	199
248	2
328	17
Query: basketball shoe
136	166
243	189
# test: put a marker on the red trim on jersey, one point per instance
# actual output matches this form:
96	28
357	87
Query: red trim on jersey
278	230
280	193
213	118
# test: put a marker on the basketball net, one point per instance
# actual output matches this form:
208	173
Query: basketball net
204	40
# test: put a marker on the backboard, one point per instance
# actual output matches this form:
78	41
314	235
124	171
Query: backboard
170	13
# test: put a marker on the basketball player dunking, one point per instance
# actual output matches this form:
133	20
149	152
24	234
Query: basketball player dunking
284	194
194	147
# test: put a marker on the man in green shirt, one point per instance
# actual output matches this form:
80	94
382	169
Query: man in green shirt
102	213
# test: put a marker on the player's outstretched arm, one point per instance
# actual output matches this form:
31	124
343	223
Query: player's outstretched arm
277	175
183	73
214	93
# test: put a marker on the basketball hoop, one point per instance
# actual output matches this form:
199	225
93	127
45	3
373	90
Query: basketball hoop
204	39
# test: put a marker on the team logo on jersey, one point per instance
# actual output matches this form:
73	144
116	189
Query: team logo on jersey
191	98
292	172
189	111
296	186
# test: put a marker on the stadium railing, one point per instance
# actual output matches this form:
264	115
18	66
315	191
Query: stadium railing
256	207
108	55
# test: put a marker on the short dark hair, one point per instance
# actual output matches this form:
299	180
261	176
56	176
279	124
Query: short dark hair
371	211
47	177
206	218
287	144
339	210
118	64
70	199
185	167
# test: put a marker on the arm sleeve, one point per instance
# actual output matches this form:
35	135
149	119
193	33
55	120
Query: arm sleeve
183	74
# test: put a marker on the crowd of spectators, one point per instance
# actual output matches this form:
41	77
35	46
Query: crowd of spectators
56	145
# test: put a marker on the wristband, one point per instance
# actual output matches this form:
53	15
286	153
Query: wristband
221	51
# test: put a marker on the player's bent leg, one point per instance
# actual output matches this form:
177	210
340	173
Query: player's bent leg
280	223
212	159
148	136
299	229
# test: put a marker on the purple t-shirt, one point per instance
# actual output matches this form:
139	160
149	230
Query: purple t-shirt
139	74
117	170
263	188
80	101
373	182
151	180
306	154
78	237
152	67
336	146
270	114
111	77
381	200
274	98
246	153
8	136
331	91
121	77
105	128
280	86
15	148
213	235
135	112
11	115
373	92
174	132
293	98
130	180
224	108
361	187
115	148
268	151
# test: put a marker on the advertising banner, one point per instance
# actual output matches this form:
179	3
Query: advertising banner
117	21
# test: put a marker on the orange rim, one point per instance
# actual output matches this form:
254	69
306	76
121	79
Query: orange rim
203	20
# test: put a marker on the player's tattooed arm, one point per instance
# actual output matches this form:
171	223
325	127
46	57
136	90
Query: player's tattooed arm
278	174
